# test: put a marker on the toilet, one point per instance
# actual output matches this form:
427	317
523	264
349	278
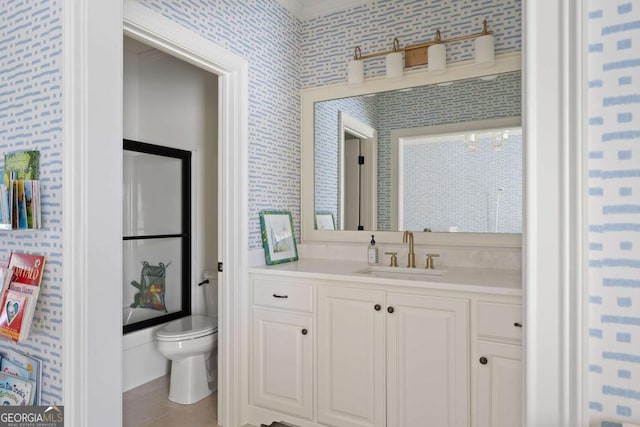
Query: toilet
189	343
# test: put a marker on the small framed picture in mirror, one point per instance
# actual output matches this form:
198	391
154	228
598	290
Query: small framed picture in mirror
278	239
324	221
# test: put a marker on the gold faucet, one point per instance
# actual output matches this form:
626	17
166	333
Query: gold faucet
411	258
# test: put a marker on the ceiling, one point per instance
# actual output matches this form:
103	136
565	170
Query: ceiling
305	9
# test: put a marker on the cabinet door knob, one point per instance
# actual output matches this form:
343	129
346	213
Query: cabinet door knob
517	325
390	309
483	360
377	307
305	332
280	296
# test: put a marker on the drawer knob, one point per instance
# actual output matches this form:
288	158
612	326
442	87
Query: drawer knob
483	360
280	296
517	325
305	332
377	307
390	309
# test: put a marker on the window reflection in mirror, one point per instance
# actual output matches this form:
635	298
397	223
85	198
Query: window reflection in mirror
466	181
453	103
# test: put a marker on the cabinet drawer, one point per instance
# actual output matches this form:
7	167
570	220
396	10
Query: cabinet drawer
496	320
281	294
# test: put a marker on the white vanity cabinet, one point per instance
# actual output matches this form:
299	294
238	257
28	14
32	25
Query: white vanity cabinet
351	353
330	348
282	346
404	353
497	365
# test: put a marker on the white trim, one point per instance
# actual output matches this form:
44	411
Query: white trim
555	334
402	137
92	151
348	123
92	246
153	29
457	71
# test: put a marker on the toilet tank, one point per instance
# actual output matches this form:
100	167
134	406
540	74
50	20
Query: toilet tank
211	292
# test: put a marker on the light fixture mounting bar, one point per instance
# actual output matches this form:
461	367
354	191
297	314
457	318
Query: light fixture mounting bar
416	54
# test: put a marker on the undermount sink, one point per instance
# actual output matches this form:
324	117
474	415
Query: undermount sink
400	272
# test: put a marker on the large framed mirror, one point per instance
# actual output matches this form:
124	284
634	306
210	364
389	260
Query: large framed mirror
437	155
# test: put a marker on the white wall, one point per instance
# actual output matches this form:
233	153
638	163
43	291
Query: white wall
171	103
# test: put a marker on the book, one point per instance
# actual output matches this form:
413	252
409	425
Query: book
28	198
18	303
22	206
12	315
32	293
20	191
15	391
8	367
22	165
4	205
27	268
6	274
30	366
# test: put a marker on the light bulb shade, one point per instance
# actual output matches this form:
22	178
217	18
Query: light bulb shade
437	55
394	65
485	54
355	73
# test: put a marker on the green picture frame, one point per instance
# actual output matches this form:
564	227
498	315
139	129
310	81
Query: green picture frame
324	220
278	238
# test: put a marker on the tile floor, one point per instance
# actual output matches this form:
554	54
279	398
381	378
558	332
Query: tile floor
148	406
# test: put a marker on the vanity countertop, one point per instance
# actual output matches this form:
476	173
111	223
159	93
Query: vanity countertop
492	281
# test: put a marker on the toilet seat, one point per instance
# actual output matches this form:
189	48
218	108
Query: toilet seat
188	328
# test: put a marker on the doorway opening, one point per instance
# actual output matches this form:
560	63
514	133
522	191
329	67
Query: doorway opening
170	103
358	174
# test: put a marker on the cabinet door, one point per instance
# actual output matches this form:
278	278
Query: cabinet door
282	362
351	386
499	385
427	361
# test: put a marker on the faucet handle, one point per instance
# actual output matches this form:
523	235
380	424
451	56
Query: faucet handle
429	263
394	258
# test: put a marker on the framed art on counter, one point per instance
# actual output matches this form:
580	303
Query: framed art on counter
278	239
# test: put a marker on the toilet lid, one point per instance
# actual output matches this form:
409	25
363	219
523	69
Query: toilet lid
190	327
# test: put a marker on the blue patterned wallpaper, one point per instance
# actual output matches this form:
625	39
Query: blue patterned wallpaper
614	209
450	186
425	106
31	119
269	37
328	41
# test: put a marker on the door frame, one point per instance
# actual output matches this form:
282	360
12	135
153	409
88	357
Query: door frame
555	224
369	137
92	153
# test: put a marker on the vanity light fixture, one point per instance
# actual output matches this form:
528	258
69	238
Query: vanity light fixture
471	142
438	56
355	69
499	139
432	52
394	62
485	55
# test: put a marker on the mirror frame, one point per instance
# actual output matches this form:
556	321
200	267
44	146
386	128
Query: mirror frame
457	71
